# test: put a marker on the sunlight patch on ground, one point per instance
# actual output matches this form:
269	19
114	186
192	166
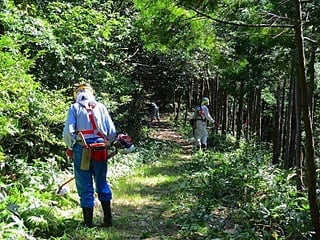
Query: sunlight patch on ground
153	181
185	156
66	213
141	192
136	201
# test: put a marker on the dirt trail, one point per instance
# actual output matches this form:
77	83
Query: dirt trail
143	207
165	132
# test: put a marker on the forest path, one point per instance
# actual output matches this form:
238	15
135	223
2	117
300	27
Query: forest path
143	202
165	132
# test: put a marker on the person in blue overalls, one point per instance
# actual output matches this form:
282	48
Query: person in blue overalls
91	120
201	115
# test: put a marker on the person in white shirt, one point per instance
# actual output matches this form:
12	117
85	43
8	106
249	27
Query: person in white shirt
154	112
201	116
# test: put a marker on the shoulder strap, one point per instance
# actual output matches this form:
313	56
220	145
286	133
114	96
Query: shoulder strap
91	117
203	117
90	112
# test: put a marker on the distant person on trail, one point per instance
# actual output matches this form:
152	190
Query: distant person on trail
200	116
154	112
88	123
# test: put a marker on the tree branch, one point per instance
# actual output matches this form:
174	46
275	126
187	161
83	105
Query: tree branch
310	40
241	24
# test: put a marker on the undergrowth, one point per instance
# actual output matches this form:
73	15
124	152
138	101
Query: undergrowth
228	192
239	195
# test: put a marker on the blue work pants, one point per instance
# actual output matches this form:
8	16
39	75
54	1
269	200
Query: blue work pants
84	180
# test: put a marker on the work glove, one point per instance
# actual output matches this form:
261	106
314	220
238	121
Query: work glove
69	153
216	124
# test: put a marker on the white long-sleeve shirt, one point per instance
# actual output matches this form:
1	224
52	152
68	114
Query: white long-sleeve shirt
78	120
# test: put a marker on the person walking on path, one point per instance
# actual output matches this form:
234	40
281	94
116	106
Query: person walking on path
201	116
154	112
87	132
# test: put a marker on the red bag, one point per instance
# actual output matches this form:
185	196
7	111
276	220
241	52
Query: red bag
99	152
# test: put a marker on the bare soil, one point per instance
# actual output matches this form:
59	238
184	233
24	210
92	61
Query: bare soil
165	132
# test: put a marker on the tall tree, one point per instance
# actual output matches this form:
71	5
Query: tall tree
311	168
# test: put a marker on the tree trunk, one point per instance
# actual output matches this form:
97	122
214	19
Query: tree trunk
233	115
311	74
250	114
282	114
257	115
287	135
217	99
310	161
224	117
298	148
240	112
276	134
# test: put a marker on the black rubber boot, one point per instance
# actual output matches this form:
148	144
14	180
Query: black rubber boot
203	147
87	216
106	206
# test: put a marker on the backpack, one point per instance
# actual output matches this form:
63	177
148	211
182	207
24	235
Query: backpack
192	122
151	106
198	115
